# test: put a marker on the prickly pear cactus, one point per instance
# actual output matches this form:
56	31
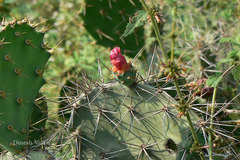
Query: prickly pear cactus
134	121
106	21
129	122
22	60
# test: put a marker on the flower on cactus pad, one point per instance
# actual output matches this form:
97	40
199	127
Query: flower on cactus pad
118	61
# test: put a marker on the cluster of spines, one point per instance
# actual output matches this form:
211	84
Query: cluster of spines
14	21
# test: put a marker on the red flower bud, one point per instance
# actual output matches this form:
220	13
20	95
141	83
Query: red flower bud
118	61
115	52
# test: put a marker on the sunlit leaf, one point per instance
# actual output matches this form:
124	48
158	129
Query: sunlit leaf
137	21
213	81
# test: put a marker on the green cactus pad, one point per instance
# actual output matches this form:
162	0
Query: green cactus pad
22	60
135	122
106	21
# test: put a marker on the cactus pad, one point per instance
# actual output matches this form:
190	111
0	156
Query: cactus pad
22	60
136	122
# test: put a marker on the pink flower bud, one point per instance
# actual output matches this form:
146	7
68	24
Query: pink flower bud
118	61
115	52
